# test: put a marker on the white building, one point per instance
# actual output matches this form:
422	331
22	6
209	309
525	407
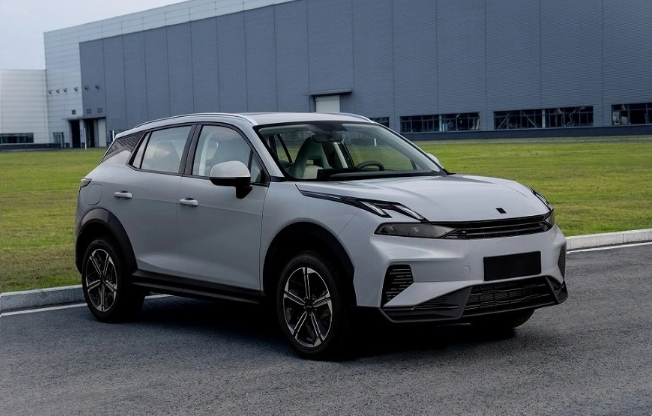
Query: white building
23	107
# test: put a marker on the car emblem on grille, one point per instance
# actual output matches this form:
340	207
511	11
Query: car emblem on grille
502	211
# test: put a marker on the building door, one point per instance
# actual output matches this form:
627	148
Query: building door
327	104
100	132
89	127
75	133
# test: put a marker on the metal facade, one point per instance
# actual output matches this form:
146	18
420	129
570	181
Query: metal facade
388	58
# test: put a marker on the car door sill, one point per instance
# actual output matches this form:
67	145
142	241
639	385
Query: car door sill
193	288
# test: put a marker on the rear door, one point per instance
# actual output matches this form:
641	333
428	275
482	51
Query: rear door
146	200
219	233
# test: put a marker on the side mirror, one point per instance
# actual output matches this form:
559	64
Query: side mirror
434	159
231	173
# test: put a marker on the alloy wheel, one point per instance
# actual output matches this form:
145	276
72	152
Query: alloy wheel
307	307
101	280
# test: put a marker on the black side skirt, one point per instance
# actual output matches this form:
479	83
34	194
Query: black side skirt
191	288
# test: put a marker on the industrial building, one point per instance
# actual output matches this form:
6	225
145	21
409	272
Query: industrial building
430	69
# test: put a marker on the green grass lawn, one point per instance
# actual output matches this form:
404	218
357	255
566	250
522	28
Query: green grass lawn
595	187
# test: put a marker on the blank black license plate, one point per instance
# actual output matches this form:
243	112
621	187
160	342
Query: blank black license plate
513	265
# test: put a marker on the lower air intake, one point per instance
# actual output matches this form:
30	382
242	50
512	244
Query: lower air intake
561	262
397	279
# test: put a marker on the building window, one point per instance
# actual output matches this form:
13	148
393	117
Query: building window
459	121
544	118
518	119
13	138
440	122
568	117
381	120
626	114
418	124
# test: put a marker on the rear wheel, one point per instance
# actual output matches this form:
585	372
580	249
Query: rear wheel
504	321
312	308
108	294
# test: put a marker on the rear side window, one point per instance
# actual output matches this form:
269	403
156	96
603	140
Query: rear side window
121	149
164	149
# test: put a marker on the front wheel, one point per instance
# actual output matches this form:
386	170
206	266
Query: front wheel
312	308
107	291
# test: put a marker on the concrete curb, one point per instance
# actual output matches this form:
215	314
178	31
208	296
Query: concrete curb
28	299
13	301
608	239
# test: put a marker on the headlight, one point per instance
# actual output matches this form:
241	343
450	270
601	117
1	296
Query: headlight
419	230
550	218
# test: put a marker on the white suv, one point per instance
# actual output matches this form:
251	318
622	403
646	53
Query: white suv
318	214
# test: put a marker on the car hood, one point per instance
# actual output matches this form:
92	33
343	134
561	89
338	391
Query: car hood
442	198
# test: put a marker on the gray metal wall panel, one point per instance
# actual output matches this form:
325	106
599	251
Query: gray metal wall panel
513	54
292	79
415	58
204	65
114	77
461	56
627	52
157	76
232	62
135	81
571	53
373	91
180	69
400	57
92	54
261	59
330	42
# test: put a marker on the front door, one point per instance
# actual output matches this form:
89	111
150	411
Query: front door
219	233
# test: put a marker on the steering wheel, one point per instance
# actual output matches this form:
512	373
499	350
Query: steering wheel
370	163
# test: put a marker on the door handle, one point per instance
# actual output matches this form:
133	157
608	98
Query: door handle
123	194
189	202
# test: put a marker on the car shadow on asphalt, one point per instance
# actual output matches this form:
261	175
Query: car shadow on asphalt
257	326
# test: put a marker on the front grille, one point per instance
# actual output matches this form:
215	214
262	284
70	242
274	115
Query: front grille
397	279
496	228
497	297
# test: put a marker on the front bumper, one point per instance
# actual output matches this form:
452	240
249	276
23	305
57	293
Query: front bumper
483	299
442	268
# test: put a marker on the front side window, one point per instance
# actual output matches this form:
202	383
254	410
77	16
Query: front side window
164	149
342	151
219	144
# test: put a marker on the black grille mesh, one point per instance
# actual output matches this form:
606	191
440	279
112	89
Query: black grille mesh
497	228
397	279
495	297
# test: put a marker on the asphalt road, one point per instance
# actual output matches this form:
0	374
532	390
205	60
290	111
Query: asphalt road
590	356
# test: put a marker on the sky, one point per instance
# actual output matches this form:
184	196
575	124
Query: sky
22	23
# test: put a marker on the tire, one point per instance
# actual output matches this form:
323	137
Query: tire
504	321
108	293
316	321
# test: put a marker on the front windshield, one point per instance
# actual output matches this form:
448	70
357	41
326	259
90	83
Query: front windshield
332	150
